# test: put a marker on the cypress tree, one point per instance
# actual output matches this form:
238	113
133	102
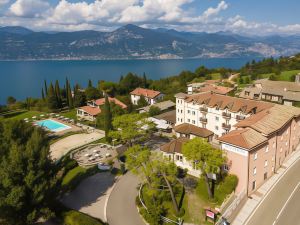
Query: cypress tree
67	91
46	88
57	94
145	81
43	95
90	84
70	98
107	118
52	100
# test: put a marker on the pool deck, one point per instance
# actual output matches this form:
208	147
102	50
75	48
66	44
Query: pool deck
63	146
73	128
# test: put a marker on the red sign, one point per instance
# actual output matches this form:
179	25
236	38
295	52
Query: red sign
210	214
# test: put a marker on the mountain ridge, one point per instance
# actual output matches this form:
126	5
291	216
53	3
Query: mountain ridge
134	42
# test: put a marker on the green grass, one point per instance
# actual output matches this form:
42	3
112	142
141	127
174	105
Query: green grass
215	76
222	189
284	75
70	114
20	115
72	174
73	217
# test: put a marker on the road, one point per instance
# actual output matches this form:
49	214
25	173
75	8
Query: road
121	208
282	204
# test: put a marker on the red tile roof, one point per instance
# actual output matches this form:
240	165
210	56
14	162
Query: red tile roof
215	89
93	111
187	128
101	101
174	145
145	92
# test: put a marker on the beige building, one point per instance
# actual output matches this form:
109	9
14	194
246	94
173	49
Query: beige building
282	92
208	86
151	96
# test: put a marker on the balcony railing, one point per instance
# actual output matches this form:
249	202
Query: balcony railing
203	109
203	120
239	117
226	115
226	126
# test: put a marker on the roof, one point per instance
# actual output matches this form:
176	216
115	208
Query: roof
270	120
181	95
93	111
245	138
233	104
167	116
288	90
101	101
187	128
160	124
174	145
145	92
161	105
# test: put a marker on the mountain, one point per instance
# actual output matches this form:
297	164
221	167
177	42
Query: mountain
133	42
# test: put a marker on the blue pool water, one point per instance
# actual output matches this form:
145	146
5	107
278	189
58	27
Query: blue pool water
53	125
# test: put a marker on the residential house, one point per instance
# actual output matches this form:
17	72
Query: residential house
281	92
163	106
151	96
93	108
208	86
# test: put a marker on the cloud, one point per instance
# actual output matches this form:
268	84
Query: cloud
4	2
29	8
214	11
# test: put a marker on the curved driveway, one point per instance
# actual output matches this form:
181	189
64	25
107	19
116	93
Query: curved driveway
121	208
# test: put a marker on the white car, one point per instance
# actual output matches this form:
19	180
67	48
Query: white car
102	166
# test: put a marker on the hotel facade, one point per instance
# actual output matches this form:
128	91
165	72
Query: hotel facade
256	136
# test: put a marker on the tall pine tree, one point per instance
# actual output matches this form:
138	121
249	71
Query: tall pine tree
46	88
107	119
52	100
43	95
58	95
90	85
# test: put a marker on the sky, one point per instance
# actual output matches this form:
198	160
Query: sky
251	17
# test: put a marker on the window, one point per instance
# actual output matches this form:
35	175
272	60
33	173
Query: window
266	163
267	148
193	121
193	113
217	118
179	158
255	156
181	111
189	111
253	185
216	127
254	170
189	120
203	125
177	110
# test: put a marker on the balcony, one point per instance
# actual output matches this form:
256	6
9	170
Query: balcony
203	120
226	115
239	117
226	126
203	109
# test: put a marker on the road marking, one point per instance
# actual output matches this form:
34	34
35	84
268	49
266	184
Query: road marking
287	201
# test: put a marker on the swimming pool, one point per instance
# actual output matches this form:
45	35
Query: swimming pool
52	125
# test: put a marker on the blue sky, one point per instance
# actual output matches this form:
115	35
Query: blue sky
259	17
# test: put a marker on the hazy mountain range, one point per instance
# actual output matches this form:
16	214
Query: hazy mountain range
133	42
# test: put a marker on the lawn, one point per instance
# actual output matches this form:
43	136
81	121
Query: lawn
73	217
284	75
215	76
20	115
70	114
72	174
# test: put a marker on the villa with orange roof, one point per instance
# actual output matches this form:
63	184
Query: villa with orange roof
151	96
93	108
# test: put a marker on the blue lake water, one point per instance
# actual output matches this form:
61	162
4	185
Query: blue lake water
22	79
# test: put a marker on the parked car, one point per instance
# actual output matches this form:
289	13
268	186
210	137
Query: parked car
103	166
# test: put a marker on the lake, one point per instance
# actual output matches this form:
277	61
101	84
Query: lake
22	79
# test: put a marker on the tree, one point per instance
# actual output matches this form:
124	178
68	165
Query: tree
142	101
129	127
46	88
51	98
90	84
144	81
27	177
107	119
79	98
205	158
247	80
43	95
92	93
107	87
154	110
10	100
58	95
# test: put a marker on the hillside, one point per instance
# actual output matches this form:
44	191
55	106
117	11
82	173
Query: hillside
133	42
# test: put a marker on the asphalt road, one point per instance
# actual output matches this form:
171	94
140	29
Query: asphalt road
121	208
282	204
